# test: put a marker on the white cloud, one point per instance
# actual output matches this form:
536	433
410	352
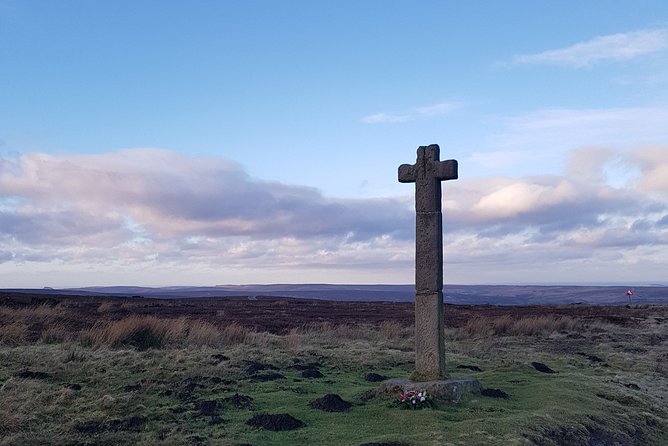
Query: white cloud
523	196
614	47
653	163
410	115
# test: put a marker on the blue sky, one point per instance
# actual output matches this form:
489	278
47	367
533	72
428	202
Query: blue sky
200	143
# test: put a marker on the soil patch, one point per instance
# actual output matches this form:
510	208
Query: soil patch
263	377
275	422
494	393
375	377
311	373
208	408
29	374
306	366
255	367
132	388
474	368
330	403
542	367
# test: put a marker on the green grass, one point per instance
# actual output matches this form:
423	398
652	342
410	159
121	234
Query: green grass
611	387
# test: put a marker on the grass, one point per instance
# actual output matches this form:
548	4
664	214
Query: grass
150	381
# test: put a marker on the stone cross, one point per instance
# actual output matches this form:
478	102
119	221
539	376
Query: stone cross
427	174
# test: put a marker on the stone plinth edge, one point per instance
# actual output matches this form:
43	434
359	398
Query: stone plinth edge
450	390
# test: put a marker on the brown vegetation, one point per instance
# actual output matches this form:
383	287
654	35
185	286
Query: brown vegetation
118	321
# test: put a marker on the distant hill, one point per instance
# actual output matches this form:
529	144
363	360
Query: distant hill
454	294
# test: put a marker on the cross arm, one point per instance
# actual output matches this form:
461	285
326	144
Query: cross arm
445	170
407	173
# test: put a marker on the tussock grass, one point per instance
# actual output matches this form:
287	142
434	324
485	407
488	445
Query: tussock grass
14	333
144	332
528	326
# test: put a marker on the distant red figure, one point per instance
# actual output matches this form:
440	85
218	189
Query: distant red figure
629	293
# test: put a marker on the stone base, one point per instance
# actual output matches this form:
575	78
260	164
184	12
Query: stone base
450	390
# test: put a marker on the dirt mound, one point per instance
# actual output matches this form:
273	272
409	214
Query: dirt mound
132	388
275	422
29	374
262	377
542	367
375	377
255	367
208	408
494	393
309	365
474	368
330	403
311	373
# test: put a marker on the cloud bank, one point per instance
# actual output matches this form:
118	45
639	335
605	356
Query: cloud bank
159	212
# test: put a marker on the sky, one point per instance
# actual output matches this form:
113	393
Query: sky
161	143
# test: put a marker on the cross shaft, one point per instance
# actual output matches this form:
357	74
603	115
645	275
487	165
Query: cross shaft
427	174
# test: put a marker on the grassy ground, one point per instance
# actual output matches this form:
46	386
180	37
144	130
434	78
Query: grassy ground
149	381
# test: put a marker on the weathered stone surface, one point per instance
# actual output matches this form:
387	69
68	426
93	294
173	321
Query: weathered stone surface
429	337
427	174
450	390
428	252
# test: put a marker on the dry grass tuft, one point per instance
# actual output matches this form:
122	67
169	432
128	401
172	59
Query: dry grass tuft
141	332
55	333
15	333
293	341
391	330
235	334
203	334
543	325
528	326
145	332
